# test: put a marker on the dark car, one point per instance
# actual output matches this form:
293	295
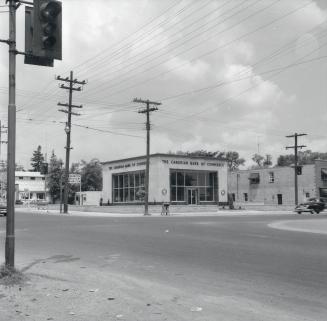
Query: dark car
3	209
312	206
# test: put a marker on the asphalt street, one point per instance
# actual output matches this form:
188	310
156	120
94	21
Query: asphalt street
240	258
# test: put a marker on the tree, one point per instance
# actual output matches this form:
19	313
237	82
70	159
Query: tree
233	160
258	159
55	173
304	157
91	175
37	160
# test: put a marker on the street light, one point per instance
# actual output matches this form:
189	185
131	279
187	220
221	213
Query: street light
67	129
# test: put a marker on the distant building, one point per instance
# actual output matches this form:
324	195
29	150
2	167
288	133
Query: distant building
31	186
176	179
275	186
88	198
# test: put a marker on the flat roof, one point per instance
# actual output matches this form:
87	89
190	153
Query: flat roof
28	174
162	155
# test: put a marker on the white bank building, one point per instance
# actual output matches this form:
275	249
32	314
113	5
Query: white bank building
176	179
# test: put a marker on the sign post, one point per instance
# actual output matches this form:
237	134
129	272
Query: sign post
76	179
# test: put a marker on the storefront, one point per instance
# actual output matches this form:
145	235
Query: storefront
173	178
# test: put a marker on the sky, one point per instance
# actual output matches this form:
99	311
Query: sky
235	75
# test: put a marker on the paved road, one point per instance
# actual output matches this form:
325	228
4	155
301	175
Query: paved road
274	274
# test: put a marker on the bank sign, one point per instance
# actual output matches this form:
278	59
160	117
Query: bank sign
191	163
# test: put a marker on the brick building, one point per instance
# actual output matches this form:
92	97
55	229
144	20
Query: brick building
275	186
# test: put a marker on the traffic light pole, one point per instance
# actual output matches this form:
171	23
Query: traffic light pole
295	147
10	224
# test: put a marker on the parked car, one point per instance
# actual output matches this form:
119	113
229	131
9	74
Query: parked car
19	202
312	206
3	209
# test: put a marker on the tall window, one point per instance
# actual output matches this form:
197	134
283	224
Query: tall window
128	187
206	184
324	174
245	197
271	177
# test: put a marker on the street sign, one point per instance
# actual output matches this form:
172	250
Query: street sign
74	179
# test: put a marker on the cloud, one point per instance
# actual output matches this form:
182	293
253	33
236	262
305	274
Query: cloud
190	71
259	92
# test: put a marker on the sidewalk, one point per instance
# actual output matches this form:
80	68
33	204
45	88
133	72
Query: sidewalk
219	212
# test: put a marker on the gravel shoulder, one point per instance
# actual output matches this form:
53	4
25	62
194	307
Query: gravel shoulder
62	288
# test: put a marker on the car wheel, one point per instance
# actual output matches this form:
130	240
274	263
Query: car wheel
312	212
317	211
299	212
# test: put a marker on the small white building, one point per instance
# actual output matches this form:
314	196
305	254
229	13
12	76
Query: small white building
31	186
177	179
88	198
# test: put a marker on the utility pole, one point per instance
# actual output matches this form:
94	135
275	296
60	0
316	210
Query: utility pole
147	111
295	147
10	222
51	11
71	81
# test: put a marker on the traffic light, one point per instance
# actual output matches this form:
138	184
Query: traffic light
299	170
47	25
29	58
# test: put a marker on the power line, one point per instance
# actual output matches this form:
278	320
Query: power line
169	50
155	35
206	53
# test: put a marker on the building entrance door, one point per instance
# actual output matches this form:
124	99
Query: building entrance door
280	199
192	196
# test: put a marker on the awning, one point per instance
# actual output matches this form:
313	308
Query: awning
324	171
254	176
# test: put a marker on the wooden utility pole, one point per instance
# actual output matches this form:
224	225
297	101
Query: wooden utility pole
147	111
295	147
69	113
10	222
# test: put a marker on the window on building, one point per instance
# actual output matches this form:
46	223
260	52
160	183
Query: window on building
32	178
203	183
271	177
233	197
43	178
254	178
323	194
307	195
245	197
324	174
128	187
20	177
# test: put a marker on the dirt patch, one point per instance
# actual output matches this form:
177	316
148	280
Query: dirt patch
11	276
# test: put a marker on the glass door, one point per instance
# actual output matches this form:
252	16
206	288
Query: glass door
192	196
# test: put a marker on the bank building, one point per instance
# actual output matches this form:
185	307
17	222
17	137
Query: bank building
177	179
